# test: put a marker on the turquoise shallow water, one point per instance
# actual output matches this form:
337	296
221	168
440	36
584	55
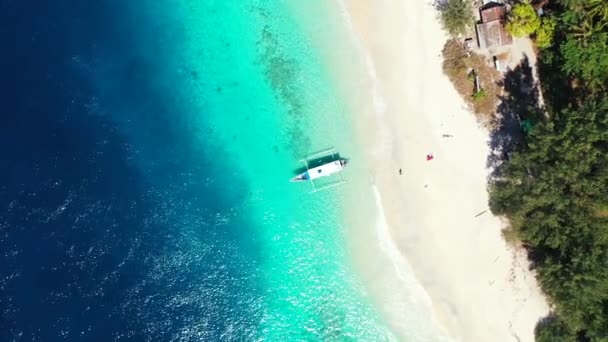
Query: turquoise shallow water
271	104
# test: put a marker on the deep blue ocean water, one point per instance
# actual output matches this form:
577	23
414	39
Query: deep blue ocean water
113	224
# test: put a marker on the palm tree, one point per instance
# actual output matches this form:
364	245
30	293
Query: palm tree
584	31
593	19
597	10
573	4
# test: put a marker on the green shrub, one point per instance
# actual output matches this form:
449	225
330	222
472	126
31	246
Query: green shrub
480	95
523	20
544	34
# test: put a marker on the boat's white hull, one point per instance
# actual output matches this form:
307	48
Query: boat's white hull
324	170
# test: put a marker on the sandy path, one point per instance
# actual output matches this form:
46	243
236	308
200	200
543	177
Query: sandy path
480	288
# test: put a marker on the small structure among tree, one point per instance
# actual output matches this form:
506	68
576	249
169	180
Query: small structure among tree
490	29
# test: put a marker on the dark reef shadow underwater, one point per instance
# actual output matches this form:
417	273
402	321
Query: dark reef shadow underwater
107	235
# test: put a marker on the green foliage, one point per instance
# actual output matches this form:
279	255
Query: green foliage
573	4
553	330
585	45
522	20
588	20
554	188
550	187
456	16
597	11
480	95
577	61
544	34
587	60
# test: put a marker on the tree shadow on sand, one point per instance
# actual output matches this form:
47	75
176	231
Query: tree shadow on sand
517	113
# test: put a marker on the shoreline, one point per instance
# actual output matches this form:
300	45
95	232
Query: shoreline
437	212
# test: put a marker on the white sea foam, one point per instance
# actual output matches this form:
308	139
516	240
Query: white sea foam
384	145
410	306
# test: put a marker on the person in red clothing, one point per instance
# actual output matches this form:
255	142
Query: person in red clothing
429	157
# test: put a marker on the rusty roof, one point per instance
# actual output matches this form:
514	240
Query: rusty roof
492	34
492	11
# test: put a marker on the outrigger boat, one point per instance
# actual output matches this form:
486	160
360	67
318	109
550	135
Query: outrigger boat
333	167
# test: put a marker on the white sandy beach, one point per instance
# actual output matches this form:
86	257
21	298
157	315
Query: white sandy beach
479	288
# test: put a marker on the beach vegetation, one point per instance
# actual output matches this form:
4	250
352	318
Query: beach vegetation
587	60
479	95
464	68
553	186
573	4
551	329
456	16
543	36
523	20
454	57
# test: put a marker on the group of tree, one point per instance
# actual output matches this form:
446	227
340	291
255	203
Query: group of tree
554	186
456	16
524	21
